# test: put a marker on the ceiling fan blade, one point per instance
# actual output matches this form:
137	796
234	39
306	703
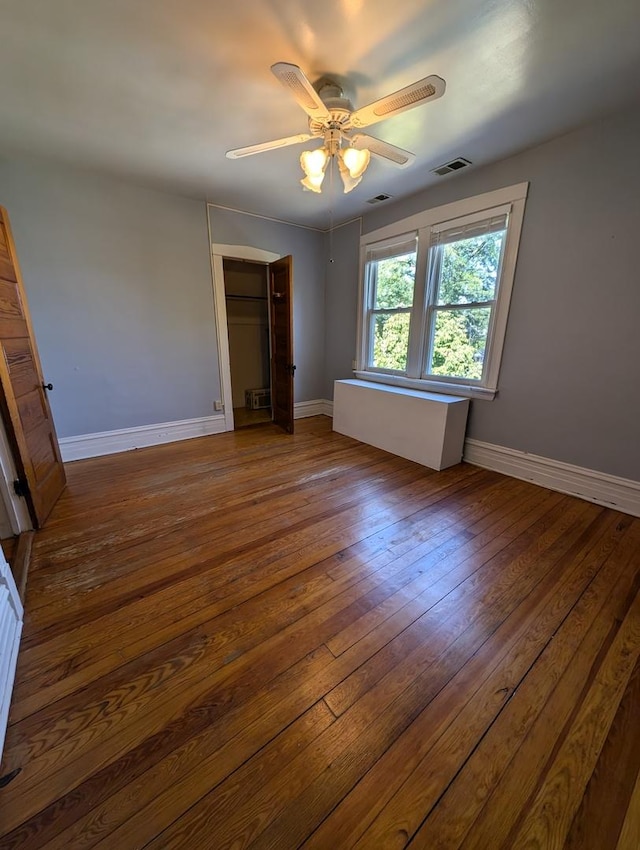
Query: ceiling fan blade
422	91
238	153
394	154
294	79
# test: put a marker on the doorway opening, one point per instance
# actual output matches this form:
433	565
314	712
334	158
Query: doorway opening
247	301
278	282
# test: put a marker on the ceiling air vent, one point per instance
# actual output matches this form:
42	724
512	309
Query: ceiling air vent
378	199
454	165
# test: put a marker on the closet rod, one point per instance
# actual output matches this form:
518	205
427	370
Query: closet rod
248	297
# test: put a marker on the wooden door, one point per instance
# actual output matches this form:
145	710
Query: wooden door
23	399
281	318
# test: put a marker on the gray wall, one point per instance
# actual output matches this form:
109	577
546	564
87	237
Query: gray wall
570	381
229	227
341	304
119	285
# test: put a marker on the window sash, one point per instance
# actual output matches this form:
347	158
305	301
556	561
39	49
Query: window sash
398	246
373	273
433	310
371	331
464	228
436	256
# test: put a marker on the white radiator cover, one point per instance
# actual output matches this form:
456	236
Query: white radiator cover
425	427
11	613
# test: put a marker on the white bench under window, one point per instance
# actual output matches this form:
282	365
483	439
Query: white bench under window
428	428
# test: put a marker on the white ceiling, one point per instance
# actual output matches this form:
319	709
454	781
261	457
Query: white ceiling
158	90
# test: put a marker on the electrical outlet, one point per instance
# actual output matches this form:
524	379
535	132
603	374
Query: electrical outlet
218	405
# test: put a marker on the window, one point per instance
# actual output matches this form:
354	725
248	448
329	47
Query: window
435	297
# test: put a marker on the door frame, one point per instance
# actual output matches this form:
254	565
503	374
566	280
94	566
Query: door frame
219	253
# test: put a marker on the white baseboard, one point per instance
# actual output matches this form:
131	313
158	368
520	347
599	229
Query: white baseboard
317	407
125	439
611	491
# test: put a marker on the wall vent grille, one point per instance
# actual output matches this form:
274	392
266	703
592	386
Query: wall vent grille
449	167
378	199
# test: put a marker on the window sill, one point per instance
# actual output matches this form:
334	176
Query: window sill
462	390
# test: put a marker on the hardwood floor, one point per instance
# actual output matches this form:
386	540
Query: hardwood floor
256	640
243	418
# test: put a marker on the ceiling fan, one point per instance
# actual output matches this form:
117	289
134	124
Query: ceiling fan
333	119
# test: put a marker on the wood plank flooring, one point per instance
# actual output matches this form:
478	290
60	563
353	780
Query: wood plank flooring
257	640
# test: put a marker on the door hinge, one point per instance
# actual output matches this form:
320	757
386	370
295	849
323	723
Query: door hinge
20	487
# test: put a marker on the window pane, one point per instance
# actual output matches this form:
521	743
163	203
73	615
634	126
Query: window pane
395	279
459	341
391	341
470	269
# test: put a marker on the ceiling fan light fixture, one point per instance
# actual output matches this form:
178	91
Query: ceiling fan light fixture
313	183
349	182
314	163
356	161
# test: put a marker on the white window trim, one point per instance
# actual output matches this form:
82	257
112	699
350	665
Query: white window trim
441	218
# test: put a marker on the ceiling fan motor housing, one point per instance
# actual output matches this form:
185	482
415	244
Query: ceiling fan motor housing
340	109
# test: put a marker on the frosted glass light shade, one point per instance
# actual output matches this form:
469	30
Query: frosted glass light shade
348	181
313	182
314	162
356	161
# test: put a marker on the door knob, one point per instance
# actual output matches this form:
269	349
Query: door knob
48	386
